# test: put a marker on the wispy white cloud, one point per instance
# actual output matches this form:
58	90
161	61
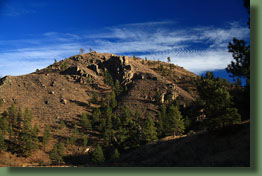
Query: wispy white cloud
196	61
27	60
198	49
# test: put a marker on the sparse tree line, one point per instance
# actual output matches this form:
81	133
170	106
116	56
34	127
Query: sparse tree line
22	136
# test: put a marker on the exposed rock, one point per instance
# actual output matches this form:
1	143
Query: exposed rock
95	68
125	58
162	98
64	101
6	80
2	100
52	83
76	58
87	150
118	69
51	92
74	70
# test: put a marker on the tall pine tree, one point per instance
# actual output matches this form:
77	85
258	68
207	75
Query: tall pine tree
148	130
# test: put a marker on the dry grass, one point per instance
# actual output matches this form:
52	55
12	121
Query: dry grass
222	148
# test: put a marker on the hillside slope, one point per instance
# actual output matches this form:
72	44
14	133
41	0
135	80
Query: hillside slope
58	95
62	91
222	148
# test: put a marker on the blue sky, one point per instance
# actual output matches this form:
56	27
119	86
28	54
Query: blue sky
195	34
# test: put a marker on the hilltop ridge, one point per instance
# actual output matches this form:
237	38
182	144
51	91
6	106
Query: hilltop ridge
63	90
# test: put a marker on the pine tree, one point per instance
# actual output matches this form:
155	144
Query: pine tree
46	135
74	135
168	59
175	121
94	99
27	122
19	119
35	140
57	153
98	155
113	102
12	114
85	122
127	134
109	133
217	102
26	144
118	88
108	79
4	125
149	130
162	121
115	155
2	143
85	141
96	115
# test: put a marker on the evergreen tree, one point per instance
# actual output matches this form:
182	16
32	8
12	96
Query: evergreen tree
12	114
240	67
115	155
94	99
162	122
27	122
19	119
96	116
116	121
109	132
113	102
97	156
118	88
46	135
2	143
85	141
149	130
102	126
85	122
35	140
4	125
175	122
108	79
158	97
74	135
168	59
138	115
57	153
127	134
217	102
26	144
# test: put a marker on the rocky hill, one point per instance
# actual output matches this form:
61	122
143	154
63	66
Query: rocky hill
124	104
63	90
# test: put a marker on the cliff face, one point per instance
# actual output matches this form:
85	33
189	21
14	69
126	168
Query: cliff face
63	90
